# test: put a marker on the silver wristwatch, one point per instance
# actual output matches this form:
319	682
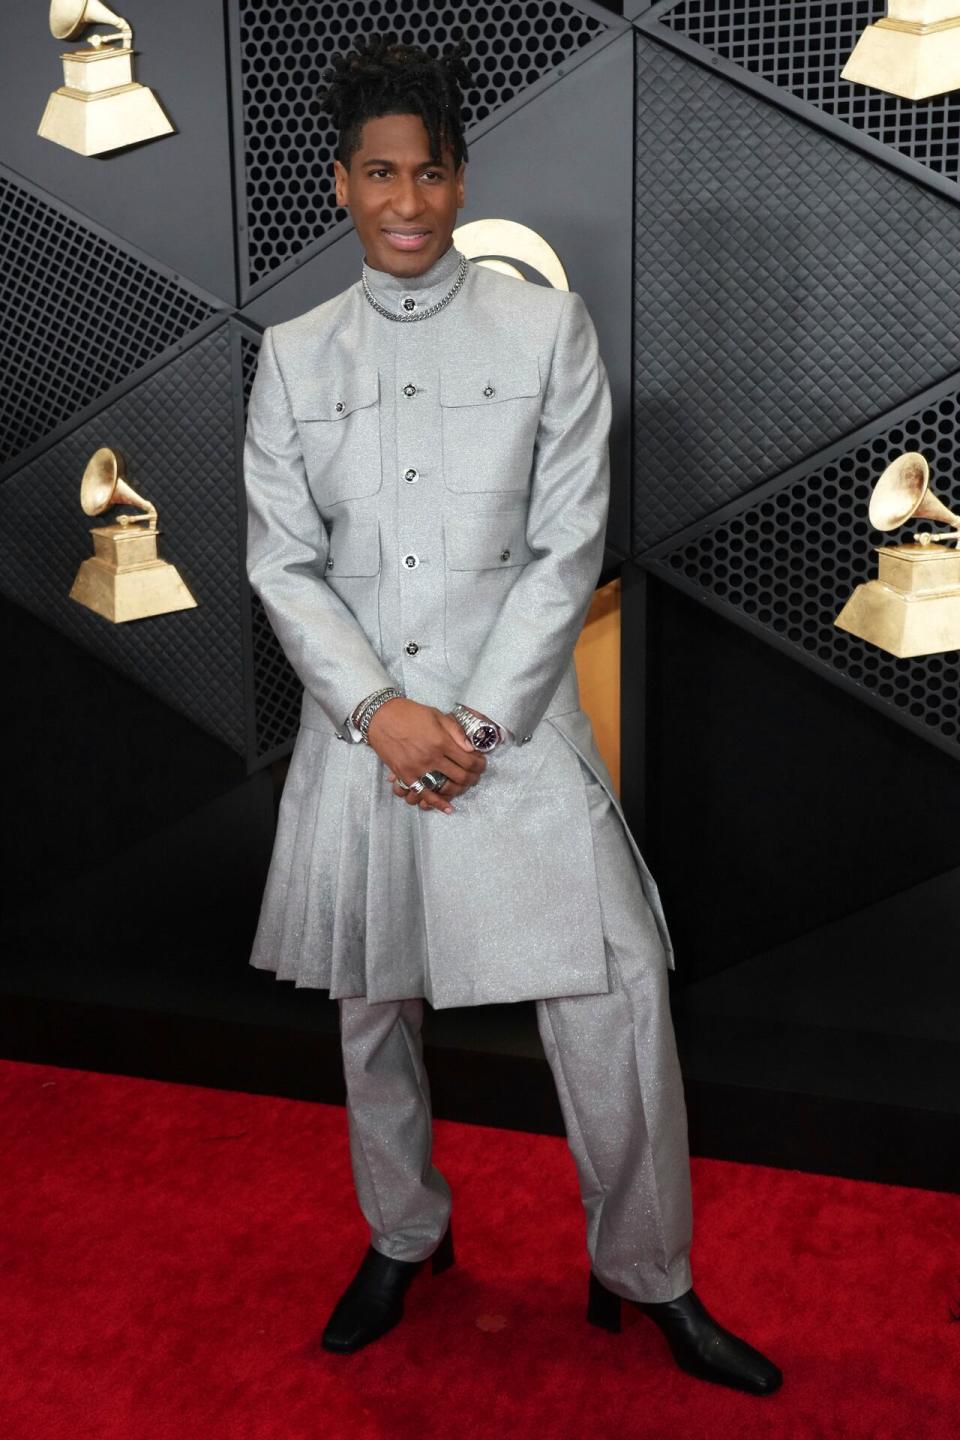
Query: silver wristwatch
482	734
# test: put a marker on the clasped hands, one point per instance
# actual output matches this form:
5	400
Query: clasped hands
411	739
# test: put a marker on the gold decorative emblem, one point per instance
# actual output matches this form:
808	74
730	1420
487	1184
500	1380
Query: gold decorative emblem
913	51
124	579
495	243
913	607
99	106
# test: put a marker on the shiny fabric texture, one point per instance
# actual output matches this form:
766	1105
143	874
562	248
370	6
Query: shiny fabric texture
614	1062
468	582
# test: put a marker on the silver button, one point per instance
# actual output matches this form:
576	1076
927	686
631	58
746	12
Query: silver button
411	561
409	389
411	475
408	303
411	647
339	406
330	563
488	390
526	738
504	554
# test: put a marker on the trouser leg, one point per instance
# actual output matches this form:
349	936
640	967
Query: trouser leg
404	1198
614	1061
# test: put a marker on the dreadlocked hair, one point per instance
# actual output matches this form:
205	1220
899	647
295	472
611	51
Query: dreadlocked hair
383	77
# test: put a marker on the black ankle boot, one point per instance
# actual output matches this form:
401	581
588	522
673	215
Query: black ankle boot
700	1346
373	1301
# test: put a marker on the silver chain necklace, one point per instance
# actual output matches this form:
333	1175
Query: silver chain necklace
423	314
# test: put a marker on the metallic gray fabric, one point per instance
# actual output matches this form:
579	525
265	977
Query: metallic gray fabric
505	430
614	1062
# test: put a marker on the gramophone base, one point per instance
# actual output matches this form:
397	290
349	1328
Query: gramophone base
133	594
94	124
912	62
903	625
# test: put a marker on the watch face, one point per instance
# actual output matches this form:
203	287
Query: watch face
484	737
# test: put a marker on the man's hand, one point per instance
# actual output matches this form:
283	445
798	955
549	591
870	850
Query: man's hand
411	739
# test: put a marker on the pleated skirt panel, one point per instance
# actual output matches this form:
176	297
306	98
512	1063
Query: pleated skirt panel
342	905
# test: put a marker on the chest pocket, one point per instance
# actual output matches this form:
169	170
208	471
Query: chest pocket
338	418
353	571
489	419
483	556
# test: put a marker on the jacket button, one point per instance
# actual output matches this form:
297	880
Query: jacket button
411	647
488	390
526	738
504	554
411	475
411	561
339	406
409	389
330	563
409	303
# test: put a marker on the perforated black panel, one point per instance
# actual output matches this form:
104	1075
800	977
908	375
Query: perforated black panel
177	431
277	691
787	289
80	315
289	144
802	47
791	560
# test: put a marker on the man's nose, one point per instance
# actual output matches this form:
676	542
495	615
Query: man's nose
407	199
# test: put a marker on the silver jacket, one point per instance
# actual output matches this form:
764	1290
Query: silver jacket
427	504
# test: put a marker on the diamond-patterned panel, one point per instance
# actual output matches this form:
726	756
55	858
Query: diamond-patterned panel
80	315
790	560
787	289
289	143
277	691
802	47
177	431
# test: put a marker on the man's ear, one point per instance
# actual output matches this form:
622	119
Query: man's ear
342	178
459	179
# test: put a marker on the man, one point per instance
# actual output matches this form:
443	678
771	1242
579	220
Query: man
427	478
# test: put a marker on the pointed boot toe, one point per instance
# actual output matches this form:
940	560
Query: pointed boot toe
372	1303
699	1345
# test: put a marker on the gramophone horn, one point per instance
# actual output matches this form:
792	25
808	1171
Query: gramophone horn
103	485
68	17
903	492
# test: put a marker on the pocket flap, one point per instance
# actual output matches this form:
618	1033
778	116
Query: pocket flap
354	548
490	385
338	396
486	542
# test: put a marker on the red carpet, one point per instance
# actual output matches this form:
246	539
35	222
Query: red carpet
169	1255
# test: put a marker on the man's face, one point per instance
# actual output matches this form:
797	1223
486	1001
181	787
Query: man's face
403	203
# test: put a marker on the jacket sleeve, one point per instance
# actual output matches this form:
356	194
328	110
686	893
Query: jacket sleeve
529	644
287	545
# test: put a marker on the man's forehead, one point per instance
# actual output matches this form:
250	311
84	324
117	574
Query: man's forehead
399	138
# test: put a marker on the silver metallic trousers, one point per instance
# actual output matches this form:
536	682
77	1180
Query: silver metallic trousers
614	1063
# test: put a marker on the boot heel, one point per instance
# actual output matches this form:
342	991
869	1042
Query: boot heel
443	1257
603	1307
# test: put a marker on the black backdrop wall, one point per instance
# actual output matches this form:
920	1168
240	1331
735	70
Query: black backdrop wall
789	243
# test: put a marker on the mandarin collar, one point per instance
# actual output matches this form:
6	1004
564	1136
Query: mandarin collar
426	288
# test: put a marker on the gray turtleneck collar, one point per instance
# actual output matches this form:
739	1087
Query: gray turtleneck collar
427	288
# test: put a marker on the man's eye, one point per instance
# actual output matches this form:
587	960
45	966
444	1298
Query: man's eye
378	172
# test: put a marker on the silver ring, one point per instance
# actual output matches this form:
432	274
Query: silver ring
417	786
402	784
435	779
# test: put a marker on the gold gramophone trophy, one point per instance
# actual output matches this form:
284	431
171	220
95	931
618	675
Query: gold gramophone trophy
124	579
913	607
99	106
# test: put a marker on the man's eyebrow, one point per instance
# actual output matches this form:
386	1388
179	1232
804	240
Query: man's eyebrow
424	164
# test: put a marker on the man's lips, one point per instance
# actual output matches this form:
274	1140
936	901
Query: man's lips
406	239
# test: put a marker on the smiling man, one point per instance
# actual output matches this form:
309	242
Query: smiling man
428	483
